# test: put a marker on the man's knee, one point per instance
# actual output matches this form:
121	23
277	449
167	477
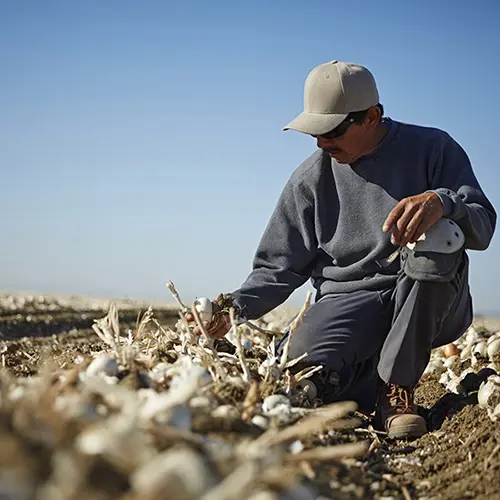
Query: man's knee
438	258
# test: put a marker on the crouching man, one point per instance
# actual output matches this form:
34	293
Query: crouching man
380	219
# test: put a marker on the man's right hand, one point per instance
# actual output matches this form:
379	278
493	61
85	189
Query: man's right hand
218	327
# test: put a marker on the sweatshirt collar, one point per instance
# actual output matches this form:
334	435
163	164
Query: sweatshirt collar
383	144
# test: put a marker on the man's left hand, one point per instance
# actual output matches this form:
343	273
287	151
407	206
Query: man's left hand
412	216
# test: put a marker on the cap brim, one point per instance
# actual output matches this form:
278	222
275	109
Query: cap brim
315	123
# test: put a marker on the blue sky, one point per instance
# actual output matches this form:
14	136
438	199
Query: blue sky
141	142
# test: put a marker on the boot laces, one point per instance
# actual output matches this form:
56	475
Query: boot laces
400	398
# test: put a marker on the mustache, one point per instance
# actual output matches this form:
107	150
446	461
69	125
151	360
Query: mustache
332	150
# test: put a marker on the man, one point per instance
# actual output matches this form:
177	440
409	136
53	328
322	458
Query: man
374	185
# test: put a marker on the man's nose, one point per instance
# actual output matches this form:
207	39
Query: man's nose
323	143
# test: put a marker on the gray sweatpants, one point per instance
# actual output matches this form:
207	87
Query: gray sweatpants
364	336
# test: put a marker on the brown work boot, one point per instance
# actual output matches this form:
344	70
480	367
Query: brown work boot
397	413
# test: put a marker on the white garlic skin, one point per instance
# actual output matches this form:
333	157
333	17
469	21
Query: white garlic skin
199	402
480	349
489	392
495	414
296	447
454	385
493	337
466	352
226	412
103	365
16	393
445	378
182	467
448	362
260	421
471	336
204	308
276	404
269	368
493	348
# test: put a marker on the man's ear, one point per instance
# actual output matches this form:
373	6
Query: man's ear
373	116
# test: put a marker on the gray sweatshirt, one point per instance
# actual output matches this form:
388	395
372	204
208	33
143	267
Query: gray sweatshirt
327	224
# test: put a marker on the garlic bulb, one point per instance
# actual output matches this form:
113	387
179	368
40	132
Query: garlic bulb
103	365
466	352
204	308
489	392
480	350
448	362
273	401
224	412
260	421
495	414
493	348
182	467
445	378
493	337
199	402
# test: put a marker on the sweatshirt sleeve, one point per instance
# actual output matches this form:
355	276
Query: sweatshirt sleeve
463	199
284	257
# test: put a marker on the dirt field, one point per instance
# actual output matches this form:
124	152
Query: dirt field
458	459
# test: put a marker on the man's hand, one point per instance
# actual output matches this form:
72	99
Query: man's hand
218	327
412	216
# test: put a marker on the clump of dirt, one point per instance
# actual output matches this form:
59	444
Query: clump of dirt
429	391
461	460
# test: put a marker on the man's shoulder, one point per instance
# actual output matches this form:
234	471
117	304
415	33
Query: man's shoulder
425	133
311	169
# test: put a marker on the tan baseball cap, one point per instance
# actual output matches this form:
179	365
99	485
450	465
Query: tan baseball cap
333	90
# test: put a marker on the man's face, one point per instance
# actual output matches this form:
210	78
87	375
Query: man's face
355	142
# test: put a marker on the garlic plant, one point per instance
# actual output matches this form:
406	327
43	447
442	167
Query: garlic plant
143	406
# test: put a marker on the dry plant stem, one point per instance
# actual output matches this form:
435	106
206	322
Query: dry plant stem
295	323
306	372
31	358
404	489
239	347
157	324
406	493
104	336
288	379
488	460
189	338
311	424
175	435
176	296
307	470
235	486
221	372
327	453
261	330
293	362
114	325
141	327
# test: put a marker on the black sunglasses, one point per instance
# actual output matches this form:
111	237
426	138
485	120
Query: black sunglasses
339	130
353	117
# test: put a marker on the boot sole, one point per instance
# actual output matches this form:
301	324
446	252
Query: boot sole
407	431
